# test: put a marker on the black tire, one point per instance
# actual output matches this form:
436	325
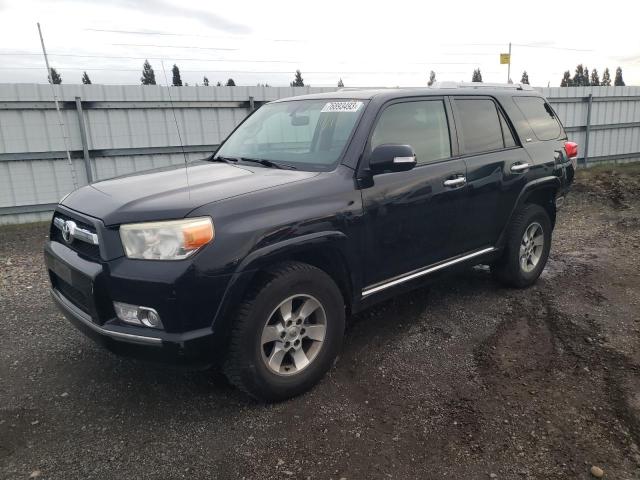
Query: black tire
244	365
508	269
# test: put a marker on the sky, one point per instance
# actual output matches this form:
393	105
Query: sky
364	43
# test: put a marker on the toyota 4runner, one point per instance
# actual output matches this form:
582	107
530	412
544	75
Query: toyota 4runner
314	208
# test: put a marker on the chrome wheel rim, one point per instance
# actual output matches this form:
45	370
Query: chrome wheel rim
531	247
293	335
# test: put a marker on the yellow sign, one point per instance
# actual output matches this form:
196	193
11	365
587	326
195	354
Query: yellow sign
505	58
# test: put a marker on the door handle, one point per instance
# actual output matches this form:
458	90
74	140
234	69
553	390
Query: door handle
520	167
455	182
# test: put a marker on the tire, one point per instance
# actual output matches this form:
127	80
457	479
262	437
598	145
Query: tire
510	269
253	356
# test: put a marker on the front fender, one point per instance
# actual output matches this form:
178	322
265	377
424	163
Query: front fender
262	257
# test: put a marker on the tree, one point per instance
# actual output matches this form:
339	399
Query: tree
432	78
567	81
219	84
477	76
297	81
148	75
606	78
231	83
578	77
205	81
595	79
340	84
525	78
55	77
586	80
176	81
85	79
618	81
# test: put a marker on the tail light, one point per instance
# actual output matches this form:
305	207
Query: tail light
572	150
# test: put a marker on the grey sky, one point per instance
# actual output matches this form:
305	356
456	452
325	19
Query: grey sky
372	44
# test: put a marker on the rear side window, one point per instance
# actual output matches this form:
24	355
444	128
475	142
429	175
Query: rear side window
480	125
540	117
509	141
421	124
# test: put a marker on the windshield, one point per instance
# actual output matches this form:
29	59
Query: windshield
307	134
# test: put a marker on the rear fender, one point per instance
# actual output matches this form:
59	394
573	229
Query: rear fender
530	189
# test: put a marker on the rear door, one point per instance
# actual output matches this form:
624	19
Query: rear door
496	170
410	215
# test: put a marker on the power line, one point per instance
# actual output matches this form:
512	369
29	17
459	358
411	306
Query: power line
170	46
171	34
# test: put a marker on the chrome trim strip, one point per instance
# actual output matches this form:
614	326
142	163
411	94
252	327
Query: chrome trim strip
410	276
78	233
69	307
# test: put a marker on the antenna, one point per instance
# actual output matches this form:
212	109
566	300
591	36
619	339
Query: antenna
63	130
175	119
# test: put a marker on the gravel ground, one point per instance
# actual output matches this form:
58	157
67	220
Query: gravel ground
464	380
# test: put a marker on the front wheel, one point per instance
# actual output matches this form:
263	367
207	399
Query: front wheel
287	333
527	248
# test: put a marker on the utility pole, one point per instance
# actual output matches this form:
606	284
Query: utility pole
63	130
509	67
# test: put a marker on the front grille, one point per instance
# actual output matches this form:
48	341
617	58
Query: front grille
75	296
83	248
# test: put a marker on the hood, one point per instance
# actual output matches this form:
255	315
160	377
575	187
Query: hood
165	194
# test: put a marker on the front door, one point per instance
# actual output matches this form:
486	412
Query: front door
410	215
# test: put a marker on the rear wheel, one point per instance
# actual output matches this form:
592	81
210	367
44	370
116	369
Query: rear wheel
527	248
287	333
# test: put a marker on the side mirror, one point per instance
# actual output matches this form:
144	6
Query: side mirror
392	157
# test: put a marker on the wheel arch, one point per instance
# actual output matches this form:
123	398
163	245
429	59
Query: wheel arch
323	250
541	192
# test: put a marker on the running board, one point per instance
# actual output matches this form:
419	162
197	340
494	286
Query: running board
423	271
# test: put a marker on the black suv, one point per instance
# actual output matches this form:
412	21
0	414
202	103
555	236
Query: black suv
314	208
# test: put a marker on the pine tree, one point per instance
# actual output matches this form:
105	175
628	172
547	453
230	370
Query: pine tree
432	78
578	77
85	79
176	80
219	84
55	77
205	81
148	75
606	78
340	84
566	80
595	79
231	83
586	80
477	76
618	81
297	81
525	78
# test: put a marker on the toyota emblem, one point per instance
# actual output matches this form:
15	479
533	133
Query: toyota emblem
68	229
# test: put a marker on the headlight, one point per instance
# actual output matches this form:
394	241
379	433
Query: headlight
172	240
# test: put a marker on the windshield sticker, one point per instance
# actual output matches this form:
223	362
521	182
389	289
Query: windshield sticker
348	107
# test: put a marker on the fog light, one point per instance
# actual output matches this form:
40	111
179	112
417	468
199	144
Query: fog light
137	315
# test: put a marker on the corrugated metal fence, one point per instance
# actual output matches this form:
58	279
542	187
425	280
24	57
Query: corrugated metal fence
116	130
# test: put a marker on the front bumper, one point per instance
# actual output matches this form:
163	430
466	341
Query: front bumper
84	289
193	348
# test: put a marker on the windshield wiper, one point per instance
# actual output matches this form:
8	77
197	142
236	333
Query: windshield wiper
268	163
223	159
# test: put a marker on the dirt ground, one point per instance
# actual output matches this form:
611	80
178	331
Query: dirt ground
464	380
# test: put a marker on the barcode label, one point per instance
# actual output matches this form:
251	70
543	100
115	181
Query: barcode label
341	107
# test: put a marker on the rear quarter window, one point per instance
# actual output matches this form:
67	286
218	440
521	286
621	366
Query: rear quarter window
540	117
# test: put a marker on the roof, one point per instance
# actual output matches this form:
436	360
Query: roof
444	89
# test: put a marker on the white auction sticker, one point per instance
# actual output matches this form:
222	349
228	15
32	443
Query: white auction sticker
351	106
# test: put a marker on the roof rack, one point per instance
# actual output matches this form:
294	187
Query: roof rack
506	86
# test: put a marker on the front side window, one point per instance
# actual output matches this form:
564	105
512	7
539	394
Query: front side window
308	134
421	124
479	125
540	117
